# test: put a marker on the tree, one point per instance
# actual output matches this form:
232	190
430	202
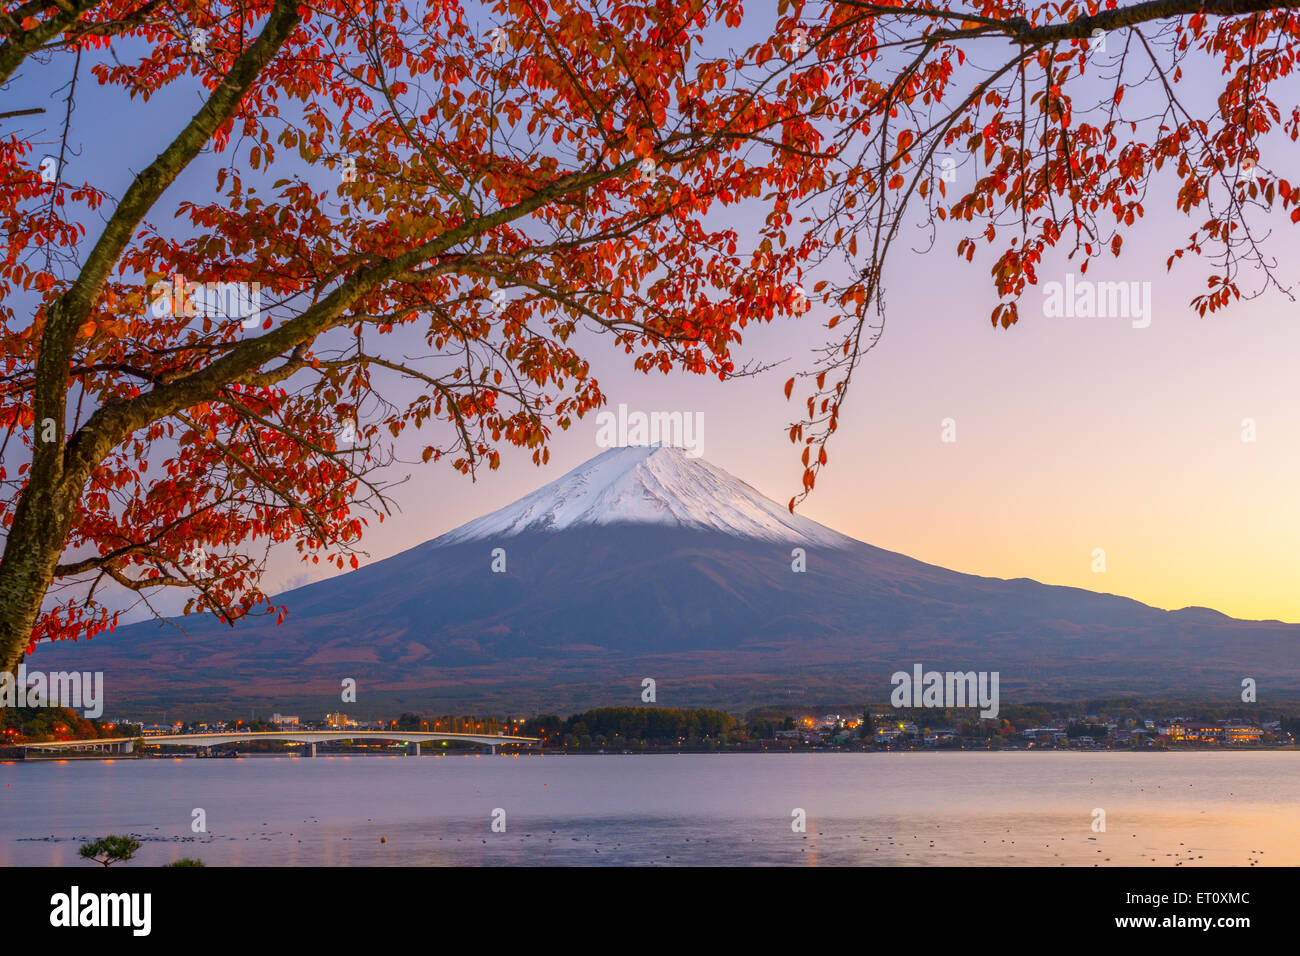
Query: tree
495	198
110	849
1023	130
33	724
504	191
186	861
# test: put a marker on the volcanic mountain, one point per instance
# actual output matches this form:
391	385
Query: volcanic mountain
644	562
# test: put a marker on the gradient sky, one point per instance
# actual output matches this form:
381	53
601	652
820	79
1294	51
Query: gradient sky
1072	434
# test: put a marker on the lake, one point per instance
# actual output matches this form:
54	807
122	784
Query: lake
1161	809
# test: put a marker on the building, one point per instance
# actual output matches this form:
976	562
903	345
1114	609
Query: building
1235	732
939	736
1044	734
1194	732
283	720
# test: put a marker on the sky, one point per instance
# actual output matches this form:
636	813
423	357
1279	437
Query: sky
1072	433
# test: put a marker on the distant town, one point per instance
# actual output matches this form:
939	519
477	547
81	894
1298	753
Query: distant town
1119	726
883	730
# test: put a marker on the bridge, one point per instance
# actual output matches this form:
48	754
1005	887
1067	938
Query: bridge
126	745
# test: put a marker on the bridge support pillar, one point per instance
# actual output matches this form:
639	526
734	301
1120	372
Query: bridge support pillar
312	753
414	749
492	749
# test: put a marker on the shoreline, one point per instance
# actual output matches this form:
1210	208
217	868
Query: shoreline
81	756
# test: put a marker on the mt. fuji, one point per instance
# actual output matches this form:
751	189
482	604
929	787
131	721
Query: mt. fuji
649	486
644	562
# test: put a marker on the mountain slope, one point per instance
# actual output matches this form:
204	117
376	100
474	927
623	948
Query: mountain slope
644	562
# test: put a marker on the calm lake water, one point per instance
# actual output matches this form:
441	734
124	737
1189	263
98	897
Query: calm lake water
1190	809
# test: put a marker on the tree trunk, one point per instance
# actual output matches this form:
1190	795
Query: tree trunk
47	506
32	549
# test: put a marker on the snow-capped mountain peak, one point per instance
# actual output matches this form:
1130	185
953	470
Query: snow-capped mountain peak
654	485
